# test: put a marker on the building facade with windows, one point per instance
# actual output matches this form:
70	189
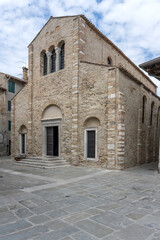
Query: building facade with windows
152	67
85	101
9	87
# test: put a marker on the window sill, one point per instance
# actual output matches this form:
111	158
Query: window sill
91	159
49	74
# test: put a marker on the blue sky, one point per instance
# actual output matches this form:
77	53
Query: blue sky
133	25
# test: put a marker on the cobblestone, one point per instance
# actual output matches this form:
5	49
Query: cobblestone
87	204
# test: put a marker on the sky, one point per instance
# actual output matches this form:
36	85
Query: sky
133	25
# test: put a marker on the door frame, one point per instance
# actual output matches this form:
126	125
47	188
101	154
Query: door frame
45	124
85	143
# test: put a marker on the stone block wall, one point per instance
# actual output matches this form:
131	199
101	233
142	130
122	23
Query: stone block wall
87	89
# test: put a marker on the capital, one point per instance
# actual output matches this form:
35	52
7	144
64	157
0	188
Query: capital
57	50
48	54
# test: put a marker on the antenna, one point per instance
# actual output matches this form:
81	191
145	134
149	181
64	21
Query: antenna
22	62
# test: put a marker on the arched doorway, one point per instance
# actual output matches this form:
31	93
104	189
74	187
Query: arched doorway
51	119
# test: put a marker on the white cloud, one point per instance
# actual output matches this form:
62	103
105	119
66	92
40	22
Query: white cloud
133	25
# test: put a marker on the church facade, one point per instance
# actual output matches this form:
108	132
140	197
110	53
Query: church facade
85	101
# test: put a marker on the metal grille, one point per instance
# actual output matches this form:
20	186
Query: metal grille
45	64
91	143
23	143
53	61
62	57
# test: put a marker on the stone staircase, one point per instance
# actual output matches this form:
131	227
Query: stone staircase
39	162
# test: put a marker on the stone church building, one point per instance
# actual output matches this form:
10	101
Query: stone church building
85	102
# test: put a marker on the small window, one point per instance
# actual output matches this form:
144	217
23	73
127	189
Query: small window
109	61
9	105
91	143
11	86
9	125
53	61
158	116
23	144
143	109
151	116
62	56
45	64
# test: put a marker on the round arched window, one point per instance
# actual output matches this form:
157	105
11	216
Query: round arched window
109	61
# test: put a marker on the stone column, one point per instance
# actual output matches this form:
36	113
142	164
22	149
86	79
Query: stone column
57	50
49	54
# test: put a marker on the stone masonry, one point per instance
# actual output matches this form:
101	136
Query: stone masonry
99	91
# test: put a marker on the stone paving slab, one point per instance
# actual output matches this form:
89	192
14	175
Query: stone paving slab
79	203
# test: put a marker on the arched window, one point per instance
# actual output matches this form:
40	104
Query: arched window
109	61
151	117
143	109
62	56
23	133
158	116
90	132
53	61
45	64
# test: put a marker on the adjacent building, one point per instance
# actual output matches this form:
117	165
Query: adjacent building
85	100
152	67
9	87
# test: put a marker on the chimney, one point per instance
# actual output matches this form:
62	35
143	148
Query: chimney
25	74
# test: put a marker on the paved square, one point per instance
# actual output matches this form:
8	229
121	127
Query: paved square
79	203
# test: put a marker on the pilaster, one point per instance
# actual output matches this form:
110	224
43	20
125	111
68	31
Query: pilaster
120	131
30	85
13	150
75	91
111	119
139	130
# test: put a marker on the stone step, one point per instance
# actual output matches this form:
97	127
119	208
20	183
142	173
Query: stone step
43	162
45	166
46	158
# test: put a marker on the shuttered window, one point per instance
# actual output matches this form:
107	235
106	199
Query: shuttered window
62	57
11	86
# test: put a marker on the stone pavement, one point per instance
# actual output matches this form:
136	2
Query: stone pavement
78	203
